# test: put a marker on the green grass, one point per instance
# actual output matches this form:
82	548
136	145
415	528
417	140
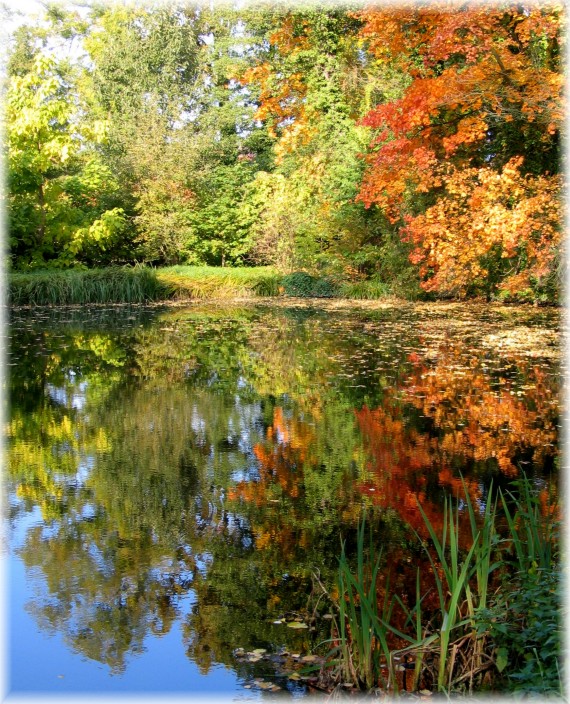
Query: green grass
365	290
142	284
112	285
202	282
138	285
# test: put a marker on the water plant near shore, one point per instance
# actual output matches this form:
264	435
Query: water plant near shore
497	622
138	285
75	287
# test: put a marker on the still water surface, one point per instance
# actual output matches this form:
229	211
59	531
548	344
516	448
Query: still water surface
176	477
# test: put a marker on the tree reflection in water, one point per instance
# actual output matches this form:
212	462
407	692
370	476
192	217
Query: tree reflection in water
200	464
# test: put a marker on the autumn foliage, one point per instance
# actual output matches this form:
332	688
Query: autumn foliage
475	130
464	158
488	224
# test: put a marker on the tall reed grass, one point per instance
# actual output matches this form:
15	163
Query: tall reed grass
111	285
477	636
363	628
138	285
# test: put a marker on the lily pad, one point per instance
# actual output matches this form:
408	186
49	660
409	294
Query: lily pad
296	624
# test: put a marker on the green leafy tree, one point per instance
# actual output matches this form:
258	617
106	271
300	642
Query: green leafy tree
58	186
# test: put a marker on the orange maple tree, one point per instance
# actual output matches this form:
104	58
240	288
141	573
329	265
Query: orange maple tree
481	213
485	97
282	88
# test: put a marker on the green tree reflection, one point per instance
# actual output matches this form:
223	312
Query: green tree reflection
198	465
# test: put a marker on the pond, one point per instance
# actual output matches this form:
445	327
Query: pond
179	477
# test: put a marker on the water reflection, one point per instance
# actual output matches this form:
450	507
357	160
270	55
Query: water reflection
198	465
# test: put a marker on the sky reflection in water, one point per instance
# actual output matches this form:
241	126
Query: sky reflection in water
176	476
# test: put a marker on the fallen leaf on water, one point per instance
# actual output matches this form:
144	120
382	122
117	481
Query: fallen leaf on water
296	624
309	658
265	685
294	676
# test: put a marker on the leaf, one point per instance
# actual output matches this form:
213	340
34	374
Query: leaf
502	659
296	624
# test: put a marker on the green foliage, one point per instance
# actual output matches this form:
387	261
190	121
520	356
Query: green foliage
60	208
275	220
525	624
303	285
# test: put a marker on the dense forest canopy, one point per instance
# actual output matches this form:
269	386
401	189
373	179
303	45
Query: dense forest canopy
416	145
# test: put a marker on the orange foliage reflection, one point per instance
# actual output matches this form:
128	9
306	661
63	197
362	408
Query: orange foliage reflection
474	417
481	418
401	460
281	460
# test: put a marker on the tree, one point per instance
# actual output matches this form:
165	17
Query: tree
314	84
491	231
59	188
484	91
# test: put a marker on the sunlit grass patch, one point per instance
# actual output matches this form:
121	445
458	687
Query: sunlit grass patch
204	282
365	290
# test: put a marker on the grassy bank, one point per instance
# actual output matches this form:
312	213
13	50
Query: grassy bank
497	623
138	285
147	285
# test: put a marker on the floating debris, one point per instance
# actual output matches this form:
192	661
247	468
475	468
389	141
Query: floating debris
309	658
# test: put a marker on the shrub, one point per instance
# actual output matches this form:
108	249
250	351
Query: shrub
303	285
